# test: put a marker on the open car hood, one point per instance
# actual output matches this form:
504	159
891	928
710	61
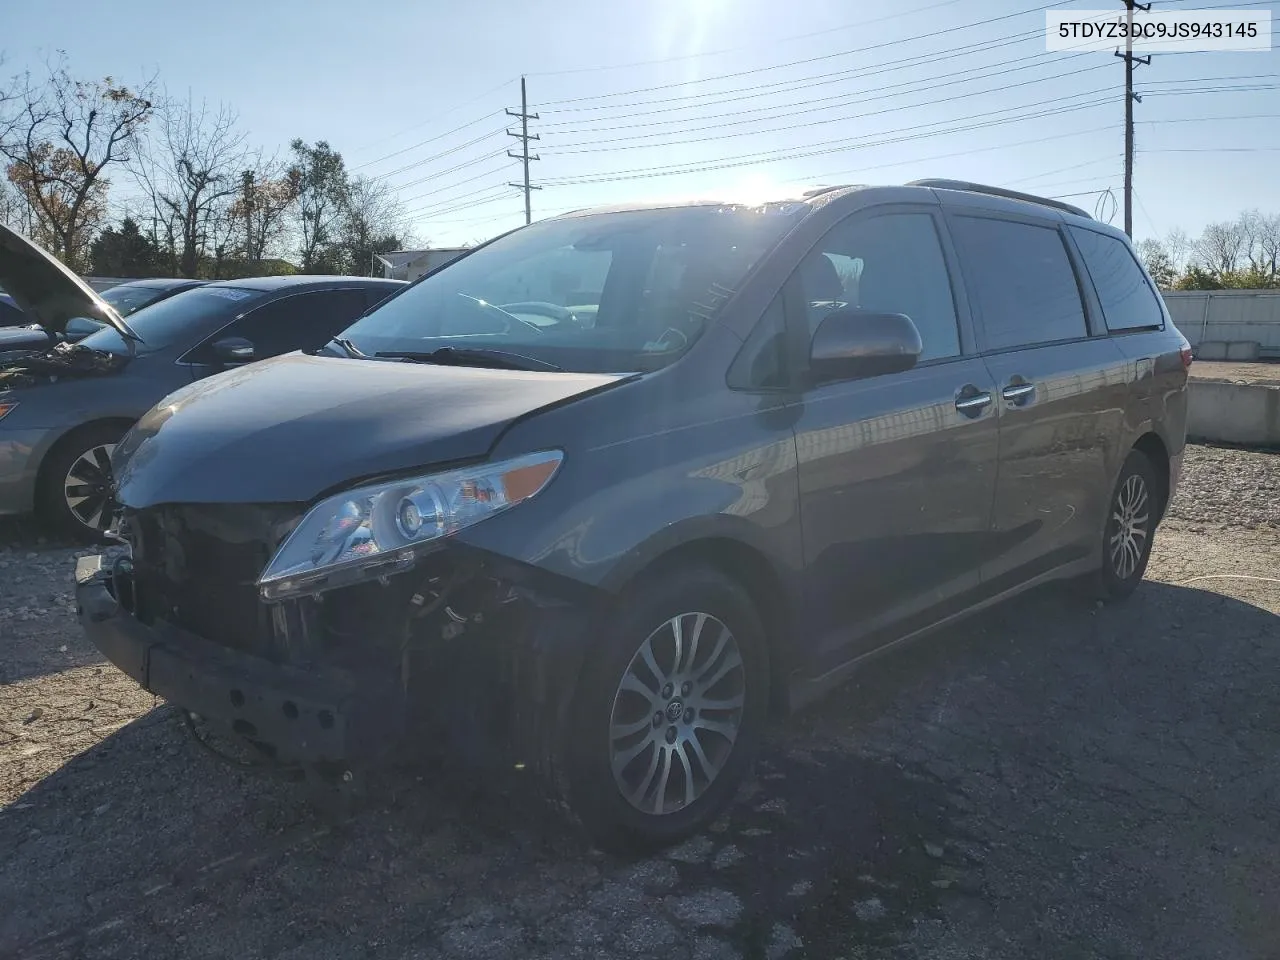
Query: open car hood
46	290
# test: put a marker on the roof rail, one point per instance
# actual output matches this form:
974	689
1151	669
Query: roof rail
999	192
819	191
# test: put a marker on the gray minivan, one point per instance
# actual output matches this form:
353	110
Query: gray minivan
606	492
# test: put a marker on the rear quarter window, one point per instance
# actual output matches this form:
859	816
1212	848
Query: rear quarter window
1129	301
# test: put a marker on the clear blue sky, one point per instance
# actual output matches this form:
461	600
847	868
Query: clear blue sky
380	78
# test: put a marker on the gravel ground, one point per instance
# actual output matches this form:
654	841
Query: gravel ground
1050	779
1255	372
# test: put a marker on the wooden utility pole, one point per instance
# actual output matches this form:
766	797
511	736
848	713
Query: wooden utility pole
1129	98
524	136
246	188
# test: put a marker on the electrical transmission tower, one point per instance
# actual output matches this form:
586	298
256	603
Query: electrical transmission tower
1129	98
524	136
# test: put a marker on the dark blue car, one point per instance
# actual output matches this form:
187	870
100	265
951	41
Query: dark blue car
63	408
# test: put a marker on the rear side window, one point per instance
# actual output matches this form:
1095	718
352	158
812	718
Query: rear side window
1128	302
301	322
1021	282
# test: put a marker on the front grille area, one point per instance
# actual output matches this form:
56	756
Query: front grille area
196	566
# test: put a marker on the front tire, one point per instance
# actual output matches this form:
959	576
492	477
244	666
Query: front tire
75	488
669	711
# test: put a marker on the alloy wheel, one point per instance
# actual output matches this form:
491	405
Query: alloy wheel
87	488
1130	526
677	713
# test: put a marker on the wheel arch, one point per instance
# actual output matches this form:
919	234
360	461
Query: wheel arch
1153	447
750	567
63	440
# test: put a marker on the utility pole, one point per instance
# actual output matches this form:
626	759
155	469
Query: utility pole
524	136
246	187
1129	98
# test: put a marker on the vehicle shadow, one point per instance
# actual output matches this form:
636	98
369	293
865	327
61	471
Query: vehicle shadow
887	802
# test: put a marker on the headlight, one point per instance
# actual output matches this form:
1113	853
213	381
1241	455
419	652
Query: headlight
371	531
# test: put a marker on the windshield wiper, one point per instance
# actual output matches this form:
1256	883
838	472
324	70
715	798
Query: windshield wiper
472	357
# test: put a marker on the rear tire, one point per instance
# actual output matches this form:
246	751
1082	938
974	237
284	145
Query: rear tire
667	721
1130	526
74	495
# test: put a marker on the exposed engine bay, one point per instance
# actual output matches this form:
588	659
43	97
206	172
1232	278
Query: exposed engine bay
31	368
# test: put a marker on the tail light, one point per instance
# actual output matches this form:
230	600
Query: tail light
1186	357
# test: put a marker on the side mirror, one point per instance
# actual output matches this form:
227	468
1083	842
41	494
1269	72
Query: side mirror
850	344
234	350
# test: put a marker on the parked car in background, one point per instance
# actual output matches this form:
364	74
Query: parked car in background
601	494
127	298
62	410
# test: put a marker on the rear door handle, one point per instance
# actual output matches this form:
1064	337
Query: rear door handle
1017	392
973	403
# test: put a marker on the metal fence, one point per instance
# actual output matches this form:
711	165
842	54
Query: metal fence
1239	317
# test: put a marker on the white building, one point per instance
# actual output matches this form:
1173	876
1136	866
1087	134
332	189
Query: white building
411	264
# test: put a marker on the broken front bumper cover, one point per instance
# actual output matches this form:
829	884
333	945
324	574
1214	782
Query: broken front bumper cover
311	715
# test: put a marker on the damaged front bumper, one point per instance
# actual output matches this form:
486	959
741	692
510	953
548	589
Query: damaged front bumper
490	681
304	715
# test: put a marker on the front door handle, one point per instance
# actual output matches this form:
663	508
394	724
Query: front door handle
1018	392
972	404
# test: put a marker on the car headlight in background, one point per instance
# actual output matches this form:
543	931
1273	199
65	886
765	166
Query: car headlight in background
371	531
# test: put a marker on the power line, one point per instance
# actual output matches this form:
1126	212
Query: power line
808	80
460	183
843	142
441	173
712	53
423	143
885	91
590	146
795	63
790	153
437	117
437	156
470	205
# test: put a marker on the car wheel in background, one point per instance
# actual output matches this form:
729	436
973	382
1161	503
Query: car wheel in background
669	711
1130	526
75	482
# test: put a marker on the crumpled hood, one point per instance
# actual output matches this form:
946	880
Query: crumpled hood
288	429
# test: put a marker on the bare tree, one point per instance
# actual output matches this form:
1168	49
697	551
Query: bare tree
1177	245
1221	247
373	222
62	138
1260	236
188	168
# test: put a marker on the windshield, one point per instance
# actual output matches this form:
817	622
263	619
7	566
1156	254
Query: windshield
600	293
128	298
182	319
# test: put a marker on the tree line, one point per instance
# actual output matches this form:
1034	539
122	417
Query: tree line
1237	254
129	182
